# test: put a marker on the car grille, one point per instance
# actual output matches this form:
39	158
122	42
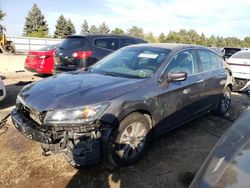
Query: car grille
31	113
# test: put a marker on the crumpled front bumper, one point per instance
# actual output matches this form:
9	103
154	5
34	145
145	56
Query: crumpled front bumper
30	129
89	144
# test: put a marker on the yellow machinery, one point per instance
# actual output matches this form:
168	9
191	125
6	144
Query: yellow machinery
6	46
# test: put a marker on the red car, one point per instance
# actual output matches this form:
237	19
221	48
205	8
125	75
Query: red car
41	61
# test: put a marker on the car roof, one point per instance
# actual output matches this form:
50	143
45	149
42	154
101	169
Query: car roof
170	46
105	35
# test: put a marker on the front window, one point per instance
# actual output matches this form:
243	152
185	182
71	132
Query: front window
132	62
184	61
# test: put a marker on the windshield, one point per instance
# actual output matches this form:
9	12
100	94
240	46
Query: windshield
74	43
241	55
131	62
49	47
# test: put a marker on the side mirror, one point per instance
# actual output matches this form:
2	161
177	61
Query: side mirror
176	76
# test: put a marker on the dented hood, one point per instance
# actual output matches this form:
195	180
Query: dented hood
73	90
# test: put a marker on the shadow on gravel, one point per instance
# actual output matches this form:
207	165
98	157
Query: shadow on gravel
11	94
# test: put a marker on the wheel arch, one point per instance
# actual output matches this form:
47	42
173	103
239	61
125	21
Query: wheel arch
144	112
230	86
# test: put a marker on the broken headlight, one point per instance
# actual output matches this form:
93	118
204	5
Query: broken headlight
78	115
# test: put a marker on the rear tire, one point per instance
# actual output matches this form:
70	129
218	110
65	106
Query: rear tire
224	102
129	143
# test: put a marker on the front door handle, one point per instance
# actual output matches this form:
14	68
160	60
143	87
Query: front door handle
199	81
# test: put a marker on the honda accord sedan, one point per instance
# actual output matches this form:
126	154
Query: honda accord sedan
113	108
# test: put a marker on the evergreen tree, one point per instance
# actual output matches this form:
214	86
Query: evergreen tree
85	27
247	42
173	37
211	42
70	28
194	36
103	28
136	32
61	27
118	31
220	42
2	14
35	23
150	37
203	40
93	30
162	38
184	36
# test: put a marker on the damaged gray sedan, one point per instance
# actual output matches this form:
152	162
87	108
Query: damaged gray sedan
112	109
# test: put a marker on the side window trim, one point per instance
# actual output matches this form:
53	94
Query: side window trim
115	38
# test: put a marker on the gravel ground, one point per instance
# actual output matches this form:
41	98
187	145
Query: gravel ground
172	159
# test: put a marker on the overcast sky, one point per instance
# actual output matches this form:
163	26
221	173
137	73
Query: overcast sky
218	17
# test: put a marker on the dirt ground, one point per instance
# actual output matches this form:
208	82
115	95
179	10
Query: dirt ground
172	160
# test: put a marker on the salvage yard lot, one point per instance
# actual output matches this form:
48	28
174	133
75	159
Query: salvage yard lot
171	161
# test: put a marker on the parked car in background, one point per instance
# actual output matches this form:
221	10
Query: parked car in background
41	61
240	67
2	90
228	164
111	109
228	52
80	51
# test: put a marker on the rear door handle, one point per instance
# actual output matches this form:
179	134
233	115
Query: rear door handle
199	81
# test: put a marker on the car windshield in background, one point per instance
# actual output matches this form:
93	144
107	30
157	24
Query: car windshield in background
73	43
241	55
49	47
131	62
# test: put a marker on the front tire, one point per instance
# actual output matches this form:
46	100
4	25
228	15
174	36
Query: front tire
129	143
224	102
9	49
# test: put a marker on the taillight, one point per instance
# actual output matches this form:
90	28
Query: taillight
82	54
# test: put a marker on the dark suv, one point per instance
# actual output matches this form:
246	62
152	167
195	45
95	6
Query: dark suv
81	51
112	108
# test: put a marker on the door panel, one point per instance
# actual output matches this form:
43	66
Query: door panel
180	101
214	76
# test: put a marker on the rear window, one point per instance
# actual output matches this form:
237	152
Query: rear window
209	61
241	55
76	43
107	43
